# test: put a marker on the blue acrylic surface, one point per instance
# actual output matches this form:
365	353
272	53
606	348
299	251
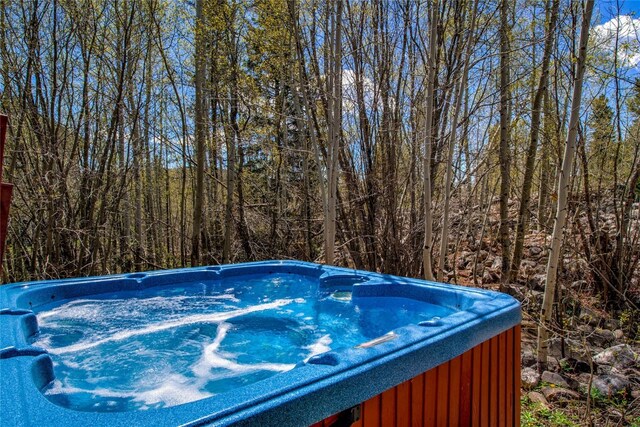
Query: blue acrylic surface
271	343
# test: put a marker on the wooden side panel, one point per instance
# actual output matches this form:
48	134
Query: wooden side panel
454	391
442	400
502	377
516	373
417	401
509	378
478	388
493	382
388	407
466	367
430	397
371	412
485	398
403	404
476	381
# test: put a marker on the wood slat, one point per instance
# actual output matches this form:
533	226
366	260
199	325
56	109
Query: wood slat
430	397
403	404
417	401
442	401
509	379
454	391
466	367
484	385
388	408
371	412
476	381
516	372
502	377
493	382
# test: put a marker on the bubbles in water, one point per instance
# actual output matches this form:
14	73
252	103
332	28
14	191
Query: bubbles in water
166	346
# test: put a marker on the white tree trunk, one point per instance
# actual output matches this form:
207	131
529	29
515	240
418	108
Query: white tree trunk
429	140
563	189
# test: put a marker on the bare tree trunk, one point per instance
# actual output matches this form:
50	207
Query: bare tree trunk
460	91
523	213
563	189
200	123
545	168
429	141
334	121
505	133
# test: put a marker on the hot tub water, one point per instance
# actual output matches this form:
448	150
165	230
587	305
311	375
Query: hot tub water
168	345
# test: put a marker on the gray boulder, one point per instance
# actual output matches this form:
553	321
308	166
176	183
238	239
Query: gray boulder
611	385
619	356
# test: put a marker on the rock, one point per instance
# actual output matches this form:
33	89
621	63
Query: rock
537	282
585	330
462	263
555	347
576	365
554	378
516	291
535	250
620	356
489	277
538	398
583	379
559	394
589	316
530	378
611	324
618	334
611	384
602	337
553	364
528	357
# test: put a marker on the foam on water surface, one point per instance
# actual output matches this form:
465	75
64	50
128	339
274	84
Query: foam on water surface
165	346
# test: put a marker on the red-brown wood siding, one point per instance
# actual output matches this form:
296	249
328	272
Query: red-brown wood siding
478	388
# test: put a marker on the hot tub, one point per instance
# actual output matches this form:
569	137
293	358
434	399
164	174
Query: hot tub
267	343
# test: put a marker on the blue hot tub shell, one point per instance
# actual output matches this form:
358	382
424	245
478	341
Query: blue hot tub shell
326	384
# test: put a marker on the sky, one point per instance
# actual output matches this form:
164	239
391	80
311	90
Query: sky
608	8
627	25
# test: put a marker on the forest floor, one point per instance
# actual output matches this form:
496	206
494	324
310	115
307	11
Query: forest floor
593	376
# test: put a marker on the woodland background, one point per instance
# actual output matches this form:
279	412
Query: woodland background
418	138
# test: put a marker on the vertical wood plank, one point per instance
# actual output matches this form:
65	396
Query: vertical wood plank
371	412
493	382
476	381
442	405
484	384
388	408
430	397
417	401
516	373
465	387
403	404
502	377
509	372
454	391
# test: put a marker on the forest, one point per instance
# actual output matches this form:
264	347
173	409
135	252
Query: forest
486	143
